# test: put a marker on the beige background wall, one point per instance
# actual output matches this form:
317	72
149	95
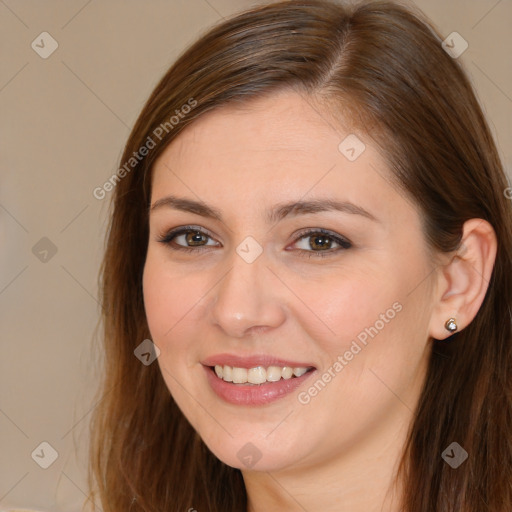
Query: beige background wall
64	122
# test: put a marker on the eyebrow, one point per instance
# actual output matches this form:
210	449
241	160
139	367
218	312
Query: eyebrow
277	213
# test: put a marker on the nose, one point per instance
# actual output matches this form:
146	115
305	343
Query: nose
248	298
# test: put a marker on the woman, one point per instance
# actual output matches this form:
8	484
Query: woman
307	285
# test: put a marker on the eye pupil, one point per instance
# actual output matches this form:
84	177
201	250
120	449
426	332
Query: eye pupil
194	238
320	242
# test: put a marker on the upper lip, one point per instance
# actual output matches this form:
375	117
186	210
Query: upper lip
252	361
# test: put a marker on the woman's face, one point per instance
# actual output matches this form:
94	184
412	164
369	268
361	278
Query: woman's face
340	285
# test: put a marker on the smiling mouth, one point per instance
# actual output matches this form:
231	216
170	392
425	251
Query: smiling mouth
259	374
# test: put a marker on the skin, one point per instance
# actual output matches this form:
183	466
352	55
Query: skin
338	451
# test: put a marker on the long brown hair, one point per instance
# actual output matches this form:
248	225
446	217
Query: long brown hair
385	63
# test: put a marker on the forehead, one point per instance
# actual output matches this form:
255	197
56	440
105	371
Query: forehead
284	122
273	149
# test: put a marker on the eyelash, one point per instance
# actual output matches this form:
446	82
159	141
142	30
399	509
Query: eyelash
341	241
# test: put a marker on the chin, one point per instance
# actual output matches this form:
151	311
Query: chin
251	451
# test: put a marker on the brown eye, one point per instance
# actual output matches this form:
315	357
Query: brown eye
187	239
320	242
194	238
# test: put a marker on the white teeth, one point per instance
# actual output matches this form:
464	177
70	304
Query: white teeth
299	371
287	373
258	374
274	373
239	375
227	373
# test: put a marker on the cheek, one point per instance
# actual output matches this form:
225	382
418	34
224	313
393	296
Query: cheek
172	300
347	303
377	318
353	304
159	301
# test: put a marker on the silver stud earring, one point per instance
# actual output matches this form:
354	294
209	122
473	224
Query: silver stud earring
450	325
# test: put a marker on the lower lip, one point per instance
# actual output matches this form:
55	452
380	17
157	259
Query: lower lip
259	394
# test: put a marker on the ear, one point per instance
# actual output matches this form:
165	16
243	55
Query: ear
463	281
